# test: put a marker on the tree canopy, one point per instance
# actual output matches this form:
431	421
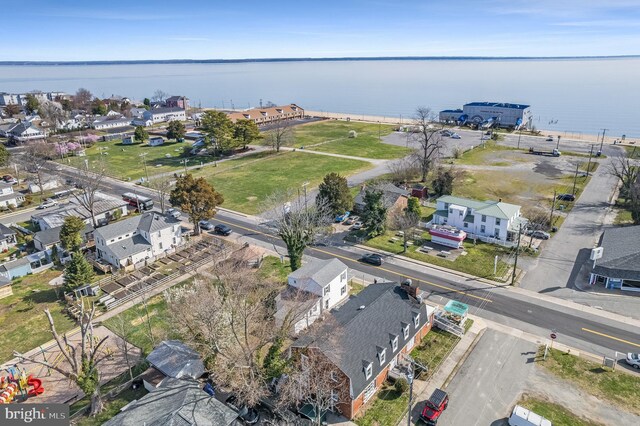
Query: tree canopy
140	134
175	130
77	272
374	215
71	233
4	155
220	130
334	191
246	132
32	104
196	197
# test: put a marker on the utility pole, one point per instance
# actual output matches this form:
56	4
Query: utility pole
515	261
575	178
589	164
558	144
144	162
553	207
601	143
519	136
379	138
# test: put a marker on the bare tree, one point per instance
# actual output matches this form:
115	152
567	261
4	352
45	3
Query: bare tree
404	170
53	113
280	134
634	203
89	182
82	99
297	222
162	185
123	329
81	359
160	95
227	319
34	158
427	135
627	171
538	219
404	221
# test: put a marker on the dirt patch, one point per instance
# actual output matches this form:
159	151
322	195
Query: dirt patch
548	169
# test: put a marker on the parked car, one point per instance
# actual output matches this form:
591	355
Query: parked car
373	259
248	415
538	234
10	179
222	229
352	220
174	213
455	136
434	406
549	138
357	226
633	360
566	197
446	132
206	225
46	204
342	217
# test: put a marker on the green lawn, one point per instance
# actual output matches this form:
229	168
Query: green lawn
385	409
632	151
484	155
22	320
274	270
434	348
355	288
334	138
617	387
246	184
556	413
478	261
125	161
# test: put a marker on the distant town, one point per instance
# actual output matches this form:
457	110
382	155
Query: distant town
165	263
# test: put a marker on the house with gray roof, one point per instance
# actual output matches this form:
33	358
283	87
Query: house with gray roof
8	197
135	240
7	238
363	339
316	287
160	115
172	359
394	197
27	131
176	403
618	267
105	209
496	221
46	239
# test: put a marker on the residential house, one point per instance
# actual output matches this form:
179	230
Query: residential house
7	238
29	264
394	198
316	287
364	338
48	183
262	116
46	239
156	141
177	102
616	262
160	115
26	131
6	128
132	241
172	359
8	197
127	140
111	122
494	220
178	402
9	99
105	209
137	112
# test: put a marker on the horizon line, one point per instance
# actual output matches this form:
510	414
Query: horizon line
308	59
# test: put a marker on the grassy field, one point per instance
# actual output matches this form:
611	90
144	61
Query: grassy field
478	261
386	409
125	161
558	415
434	348
617	387
22	320
632	151
274	270
485	155
245	183
334	138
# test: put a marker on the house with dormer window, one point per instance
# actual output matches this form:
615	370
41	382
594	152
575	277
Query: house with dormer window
495	220
364	337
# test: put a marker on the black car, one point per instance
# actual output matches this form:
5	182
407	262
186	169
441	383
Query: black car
248	415
373	259
222	229
566	197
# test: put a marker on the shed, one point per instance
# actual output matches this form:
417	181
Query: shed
156	141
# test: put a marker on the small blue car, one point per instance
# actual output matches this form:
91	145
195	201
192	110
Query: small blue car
342	217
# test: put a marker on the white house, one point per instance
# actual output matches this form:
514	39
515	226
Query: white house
316	287
111	122
26	131
7	238
8	197
491	219
49	183
160	115
156	141
137	112
134	240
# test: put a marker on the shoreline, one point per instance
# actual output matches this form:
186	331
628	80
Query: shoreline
568	134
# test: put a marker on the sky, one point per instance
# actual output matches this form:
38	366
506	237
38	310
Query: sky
65	30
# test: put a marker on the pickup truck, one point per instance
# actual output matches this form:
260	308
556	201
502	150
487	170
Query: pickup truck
434	407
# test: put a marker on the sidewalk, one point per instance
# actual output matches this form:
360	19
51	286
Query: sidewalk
447	370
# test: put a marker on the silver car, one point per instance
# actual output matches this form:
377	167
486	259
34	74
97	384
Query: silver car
633	360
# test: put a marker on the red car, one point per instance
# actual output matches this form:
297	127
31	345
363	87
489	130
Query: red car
434	407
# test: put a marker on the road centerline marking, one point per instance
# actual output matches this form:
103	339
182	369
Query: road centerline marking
610	337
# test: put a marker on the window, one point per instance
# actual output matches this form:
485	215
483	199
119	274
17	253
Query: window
450	210
327	289
460	213
484	218
334	396
326	304
482	228
394	344
343	290
466	225
160	245
497	221
382	356
416	320
343	276
368	371
333	376
405	331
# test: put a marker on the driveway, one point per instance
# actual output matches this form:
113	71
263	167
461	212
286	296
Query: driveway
490	381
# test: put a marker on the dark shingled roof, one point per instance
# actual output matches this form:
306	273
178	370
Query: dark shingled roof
390	194
176	403
6	231
352	337
621	253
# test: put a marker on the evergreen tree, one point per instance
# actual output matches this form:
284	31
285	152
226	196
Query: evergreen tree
246	132
334	191
32	104
77	272
413	206
140	134
374	216
70	233
175	130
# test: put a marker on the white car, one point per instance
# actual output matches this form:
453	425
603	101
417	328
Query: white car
47	204
633	360
549	138
455	136
357	226
173	213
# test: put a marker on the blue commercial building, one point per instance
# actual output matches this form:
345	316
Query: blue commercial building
490	114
